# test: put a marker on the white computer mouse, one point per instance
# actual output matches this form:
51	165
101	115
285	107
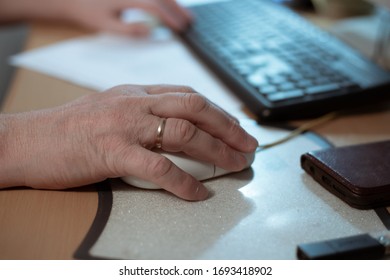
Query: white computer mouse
199	169
138	16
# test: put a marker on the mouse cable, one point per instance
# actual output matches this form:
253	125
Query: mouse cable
304	127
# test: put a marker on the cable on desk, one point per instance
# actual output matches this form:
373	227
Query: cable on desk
300	130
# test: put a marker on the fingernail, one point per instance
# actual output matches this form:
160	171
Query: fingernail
201	192
252	142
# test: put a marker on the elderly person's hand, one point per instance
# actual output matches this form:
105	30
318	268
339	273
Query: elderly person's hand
104	15
112	134
96	15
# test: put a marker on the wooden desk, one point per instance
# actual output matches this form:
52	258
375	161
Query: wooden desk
51	224
43	224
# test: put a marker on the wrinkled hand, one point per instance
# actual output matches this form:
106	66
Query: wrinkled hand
104	15
111	134
96	15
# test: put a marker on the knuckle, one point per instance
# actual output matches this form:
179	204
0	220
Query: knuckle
123	88
187	89
160	88
224	152
234	127
195	103
185	131
159	168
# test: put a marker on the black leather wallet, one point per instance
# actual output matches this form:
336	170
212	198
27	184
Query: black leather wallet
359	174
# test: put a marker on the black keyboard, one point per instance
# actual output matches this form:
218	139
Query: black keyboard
279	64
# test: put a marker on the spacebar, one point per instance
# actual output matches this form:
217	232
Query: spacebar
322	88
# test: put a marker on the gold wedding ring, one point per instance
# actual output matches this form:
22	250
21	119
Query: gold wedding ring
160	133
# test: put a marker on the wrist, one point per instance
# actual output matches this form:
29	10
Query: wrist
10	168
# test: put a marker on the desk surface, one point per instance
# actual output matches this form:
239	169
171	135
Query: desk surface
43	224
51	224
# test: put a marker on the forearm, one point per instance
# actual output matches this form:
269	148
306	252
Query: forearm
14	10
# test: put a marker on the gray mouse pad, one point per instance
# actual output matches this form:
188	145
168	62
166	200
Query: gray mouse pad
260	213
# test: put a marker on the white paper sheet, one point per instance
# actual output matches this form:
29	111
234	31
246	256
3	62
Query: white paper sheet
105	60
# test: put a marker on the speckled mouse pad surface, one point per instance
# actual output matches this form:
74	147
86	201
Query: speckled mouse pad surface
261	213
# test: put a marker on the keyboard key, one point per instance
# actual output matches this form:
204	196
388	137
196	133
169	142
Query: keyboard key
278	80
281	96
305	83
244	70
322	81
287	86
278	54
322	89
348	84
268	89
295	77
257	79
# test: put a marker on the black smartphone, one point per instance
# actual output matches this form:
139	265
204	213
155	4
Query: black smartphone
358	174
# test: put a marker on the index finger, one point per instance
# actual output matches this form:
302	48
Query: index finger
206	116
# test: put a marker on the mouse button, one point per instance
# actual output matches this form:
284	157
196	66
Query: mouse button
199	169
250	157
219	171
134	181
138	16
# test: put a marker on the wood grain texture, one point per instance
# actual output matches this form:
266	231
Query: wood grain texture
40	224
